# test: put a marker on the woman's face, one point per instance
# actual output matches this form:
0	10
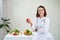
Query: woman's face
41	11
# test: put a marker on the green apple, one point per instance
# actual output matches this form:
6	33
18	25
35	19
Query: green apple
30	33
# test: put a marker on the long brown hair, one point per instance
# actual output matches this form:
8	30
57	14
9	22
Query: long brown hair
45	14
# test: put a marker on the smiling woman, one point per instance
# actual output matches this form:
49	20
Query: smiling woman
41	25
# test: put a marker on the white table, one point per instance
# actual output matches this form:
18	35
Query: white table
18	37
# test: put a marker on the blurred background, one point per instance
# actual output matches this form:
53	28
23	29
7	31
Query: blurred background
19	10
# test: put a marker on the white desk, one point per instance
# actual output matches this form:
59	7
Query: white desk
18	37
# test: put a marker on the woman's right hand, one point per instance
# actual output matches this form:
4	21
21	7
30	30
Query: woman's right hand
29	21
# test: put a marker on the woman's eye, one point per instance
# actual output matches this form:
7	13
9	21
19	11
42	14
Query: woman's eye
40	10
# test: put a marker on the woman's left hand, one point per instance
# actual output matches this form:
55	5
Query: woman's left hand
35	30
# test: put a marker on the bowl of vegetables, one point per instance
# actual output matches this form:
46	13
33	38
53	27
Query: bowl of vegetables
15	32
27	32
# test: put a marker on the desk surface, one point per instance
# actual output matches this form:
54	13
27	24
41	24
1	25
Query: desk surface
18	37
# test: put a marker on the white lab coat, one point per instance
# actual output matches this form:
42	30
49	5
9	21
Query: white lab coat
42	24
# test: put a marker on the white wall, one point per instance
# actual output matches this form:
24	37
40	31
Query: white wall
2	11
1	36
19	10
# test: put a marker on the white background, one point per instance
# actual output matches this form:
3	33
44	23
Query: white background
19	10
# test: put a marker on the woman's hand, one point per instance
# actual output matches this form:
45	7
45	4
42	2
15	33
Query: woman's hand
29	21
35	30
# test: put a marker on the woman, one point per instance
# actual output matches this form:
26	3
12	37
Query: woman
41	25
